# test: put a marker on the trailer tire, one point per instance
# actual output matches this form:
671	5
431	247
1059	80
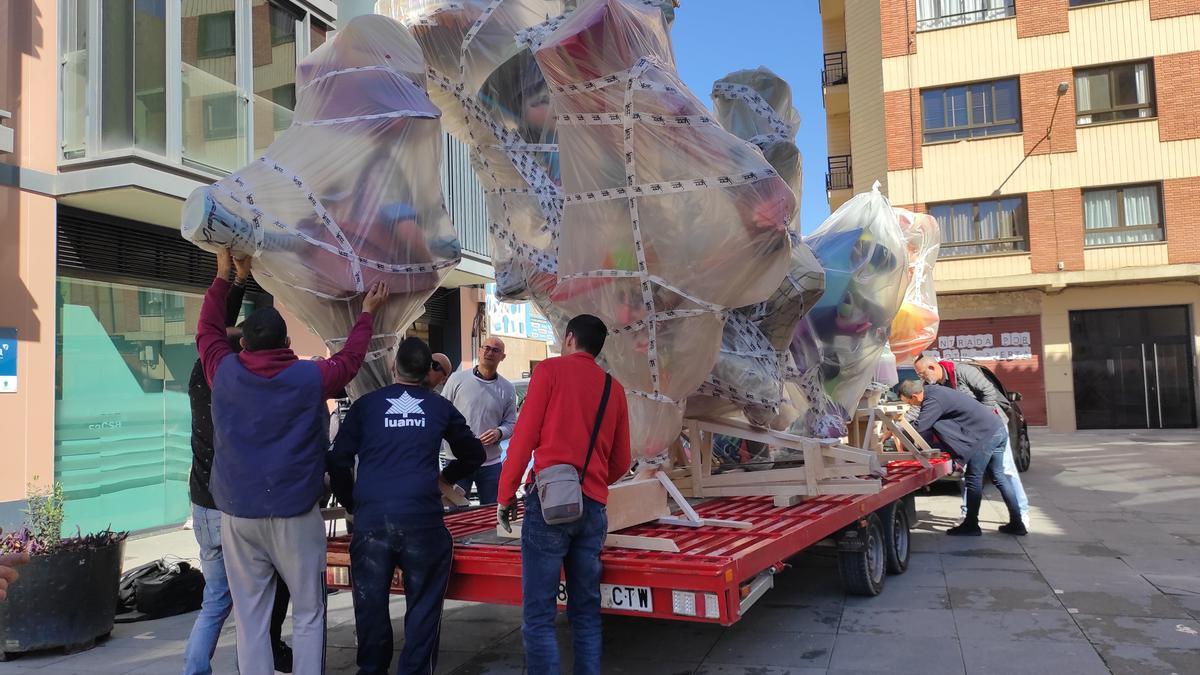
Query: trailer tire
895	527
863	571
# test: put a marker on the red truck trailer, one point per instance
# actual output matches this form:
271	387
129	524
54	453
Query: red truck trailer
718	573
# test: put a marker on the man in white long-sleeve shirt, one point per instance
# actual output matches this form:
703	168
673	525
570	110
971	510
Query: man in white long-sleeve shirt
489	402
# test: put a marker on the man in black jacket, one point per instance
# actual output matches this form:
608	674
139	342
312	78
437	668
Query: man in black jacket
395	434
206	524
975	436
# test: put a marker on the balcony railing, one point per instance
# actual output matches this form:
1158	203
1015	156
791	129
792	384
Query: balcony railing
998	10
835	69
840	176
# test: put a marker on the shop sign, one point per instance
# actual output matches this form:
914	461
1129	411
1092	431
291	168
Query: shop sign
1014	346
8	360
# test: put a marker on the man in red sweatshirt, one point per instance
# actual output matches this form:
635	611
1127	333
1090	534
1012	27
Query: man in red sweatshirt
555	427
269	441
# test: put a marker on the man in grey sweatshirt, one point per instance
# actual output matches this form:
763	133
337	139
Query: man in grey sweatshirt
489	402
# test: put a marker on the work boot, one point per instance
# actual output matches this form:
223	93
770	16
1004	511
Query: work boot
965	529
283	657
1015	527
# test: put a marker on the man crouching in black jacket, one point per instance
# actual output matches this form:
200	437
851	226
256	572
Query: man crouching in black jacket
396	433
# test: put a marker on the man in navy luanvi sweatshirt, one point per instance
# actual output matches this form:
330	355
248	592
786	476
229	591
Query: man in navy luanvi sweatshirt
396	435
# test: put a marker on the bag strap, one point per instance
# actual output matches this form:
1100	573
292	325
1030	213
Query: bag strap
596	426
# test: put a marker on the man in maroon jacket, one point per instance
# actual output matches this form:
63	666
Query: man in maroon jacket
555	427
269	440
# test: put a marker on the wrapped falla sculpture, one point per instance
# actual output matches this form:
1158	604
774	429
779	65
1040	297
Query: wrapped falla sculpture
756	105
494	99
347	196
916	324
668	219
838	344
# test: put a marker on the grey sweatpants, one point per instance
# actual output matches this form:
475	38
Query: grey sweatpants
255	548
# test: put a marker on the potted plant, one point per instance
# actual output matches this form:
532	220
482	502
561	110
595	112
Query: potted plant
67	594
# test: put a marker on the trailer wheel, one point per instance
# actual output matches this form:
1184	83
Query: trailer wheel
862	564
896	526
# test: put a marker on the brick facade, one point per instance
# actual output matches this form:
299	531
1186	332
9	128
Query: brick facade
1039	93
260	44
1041	17
1177	96
898	26
902	129
1169	9
1182	219
1055	230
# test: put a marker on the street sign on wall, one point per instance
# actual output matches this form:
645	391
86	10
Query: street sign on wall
8	360
520	319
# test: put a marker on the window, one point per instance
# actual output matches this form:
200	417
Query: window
933	14
285	102
217	35
1113	93
283	26
220	116
971	110
982	227
1128	214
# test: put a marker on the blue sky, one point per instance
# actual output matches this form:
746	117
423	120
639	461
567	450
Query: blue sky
716	37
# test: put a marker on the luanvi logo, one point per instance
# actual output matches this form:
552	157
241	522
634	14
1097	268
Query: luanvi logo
404	406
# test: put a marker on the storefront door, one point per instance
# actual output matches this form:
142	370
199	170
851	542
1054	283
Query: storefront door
1133	368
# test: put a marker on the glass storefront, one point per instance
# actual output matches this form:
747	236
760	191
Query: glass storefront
122	421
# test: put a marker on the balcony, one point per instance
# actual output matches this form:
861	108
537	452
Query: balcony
997	9
840	174
835	71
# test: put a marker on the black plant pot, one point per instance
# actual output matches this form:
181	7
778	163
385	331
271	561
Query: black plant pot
65	599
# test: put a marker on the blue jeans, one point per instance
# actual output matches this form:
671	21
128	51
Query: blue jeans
487	482
992	462
1014	477
546	550
423	556
202	643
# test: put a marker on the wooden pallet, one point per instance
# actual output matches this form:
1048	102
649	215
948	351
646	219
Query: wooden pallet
830	466
872	421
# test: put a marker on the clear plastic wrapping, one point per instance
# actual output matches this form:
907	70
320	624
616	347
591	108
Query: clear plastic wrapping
838	344
668	220
756	105
916	324
349	195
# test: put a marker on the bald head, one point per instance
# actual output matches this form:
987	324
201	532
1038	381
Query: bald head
491	353
439	371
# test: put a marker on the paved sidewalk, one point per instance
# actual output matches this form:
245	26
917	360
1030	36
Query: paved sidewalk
1108	581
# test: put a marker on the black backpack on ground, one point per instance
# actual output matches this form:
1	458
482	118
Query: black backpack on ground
159	589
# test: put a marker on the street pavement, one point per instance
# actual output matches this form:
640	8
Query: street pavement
1107	581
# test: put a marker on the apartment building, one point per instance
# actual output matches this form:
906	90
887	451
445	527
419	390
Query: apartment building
111	113
1057	142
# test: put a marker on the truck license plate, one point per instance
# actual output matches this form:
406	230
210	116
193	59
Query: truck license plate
613	596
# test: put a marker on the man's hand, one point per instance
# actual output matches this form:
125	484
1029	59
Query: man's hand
375	297
224	263
490	437
505	515
9	562
242	266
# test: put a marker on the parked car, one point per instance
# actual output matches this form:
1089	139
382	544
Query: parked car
1018	428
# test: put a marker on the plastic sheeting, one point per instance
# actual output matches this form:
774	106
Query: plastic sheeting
668	220
756	105
916	324
346	197
838	344
494	99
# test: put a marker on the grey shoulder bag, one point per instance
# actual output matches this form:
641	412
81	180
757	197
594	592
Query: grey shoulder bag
559	487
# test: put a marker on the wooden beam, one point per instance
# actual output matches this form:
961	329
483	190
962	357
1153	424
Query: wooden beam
635	502
782	501
642	543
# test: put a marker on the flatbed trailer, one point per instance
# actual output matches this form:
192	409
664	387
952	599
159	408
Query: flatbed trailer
718	573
